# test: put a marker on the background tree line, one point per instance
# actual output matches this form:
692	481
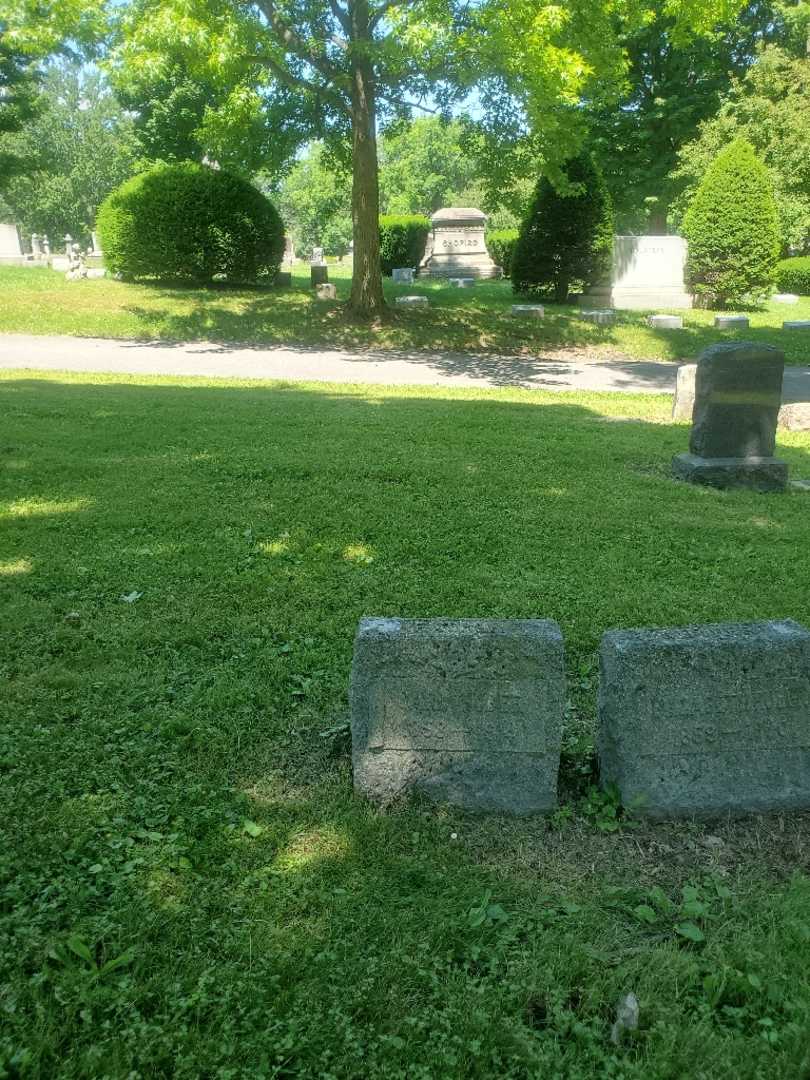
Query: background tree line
221	82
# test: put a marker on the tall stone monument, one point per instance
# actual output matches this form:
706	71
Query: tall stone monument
646	273
456	246
10	247
465	711
738	391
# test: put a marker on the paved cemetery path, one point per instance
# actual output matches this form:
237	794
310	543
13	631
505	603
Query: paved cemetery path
343	366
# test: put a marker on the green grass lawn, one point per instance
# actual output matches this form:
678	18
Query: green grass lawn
43	302
188	886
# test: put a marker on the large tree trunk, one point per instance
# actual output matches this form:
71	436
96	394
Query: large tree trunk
366	298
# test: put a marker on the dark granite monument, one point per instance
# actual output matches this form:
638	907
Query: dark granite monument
738	391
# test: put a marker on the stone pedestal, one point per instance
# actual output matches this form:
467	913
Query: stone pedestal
646	272
464	711
456	246
760	474
738	391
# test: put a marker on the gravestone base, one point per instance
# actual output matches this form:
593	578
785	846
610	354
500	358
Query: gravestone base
463	711
635	299
704	721
759	474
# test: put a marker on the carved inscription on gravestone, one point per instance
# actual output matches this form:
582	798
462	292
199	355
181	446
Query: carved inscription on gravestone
468	711
707	720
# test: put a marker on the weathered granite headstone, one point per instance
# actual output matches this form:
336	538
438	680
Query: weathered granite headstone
785	298
466	711
738	391
665	322
10	247
402	275
326	292
317	257
456	246
412	301
646	272
601	318
284	278
796	324
528	311
731	322
461	282
318	274
707	720
684	401
795	416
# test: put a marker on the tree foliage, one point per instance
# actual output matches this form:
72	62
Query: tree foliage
567	236
77	148
671	85
341	70
770	107
18	105
314	200
732	229
189	222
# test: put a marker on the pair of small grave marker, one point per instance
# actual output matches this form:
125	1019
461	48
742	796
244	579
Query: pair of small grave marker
694	721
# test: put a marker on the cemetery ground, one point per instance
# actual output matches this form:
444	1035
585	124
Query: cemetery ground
189	886
41	301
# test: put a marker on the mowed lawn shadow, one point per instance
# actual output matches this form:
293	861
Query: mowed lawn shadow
175	756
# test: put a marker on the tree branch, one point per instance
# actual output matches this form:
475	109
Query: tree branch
409	104
383	10
297	82
341	16
290	39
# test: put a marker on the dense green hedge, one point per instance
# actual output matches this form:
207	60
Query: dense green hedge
501	247
793	275
733	230
402	240
567	237
188	222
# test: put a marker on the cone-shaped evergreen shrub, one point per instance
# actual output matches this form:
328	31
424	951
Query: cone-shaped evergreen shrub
733	230
188	222
566	239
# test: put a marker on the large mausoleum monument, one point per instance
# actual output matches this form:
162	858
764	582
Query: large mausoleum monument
456	246
646	273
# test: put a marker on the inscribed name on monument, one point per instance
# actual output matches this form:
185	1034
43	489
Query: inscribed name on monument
457	246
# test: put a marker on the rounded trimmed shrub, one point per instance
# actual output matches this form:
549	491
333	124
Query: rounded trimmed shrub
733	230
402	240
793	275
566	239
501	247
189	222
